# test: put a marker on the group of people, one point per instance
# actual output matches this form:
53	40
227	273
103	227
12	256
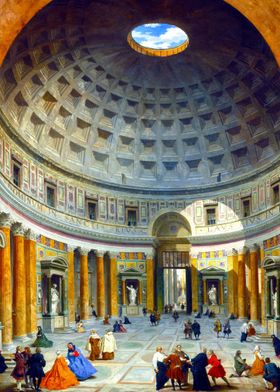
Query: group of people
176	366
261	366
247	329
218	328
101	347
154	318
65	373
191	328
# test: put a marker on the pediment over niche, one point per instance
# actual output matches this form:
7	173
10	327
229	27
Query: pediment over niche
271	262
212	271
54	263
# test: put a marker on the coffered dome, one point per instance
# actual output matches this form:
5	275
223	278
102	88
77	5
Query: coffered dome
76	94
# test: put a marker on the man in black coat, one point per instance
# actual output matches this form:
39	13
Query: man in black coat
36	364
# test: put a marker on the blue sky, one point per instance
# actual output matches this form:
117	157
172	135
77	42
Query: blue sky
159	35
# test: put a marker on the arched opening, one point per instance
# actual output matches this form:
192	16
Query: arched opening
173	270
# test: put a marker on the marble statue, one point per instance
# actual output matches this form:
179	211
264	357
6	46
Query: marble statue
54	299
212	295
132	294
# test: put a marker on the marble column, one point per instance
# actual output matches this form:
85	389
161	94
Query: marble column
6	282
100	283
31	284
241	280
124	292
268	297
150	282
71	283
254	284
195	289
84	292
113	285
205	299
170	286
175	288
19	277
231	294
262	283
277	298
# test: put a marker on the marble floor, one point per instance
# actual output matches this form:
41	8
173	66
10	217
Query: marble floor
131	370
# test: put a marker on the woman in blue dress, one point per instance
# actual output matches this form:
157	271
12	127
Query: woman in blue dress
78	364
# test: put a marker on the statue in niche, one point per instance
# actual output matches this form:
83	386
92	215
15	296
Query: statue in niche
54	299
212	295
132	294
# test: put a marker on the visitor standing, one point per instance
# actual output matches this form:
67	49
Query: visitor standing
160	368
198	369
218	327
108	345
36	364
18	372
196	329
244	332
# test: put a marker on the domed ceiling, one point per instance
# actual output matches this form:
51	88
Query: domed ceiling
77	94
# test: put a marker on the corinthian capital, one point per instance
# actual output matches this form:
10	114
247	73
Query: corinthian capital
30	235
5	220
18	229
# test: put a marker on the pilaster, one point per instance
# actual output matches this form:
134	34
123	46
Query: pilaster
150	281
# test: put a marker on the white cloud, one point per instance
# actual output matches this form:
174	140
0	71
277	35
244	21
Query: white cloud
173	36
152	25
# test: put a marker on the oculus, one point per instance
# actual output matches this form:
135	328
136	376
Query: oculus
158	39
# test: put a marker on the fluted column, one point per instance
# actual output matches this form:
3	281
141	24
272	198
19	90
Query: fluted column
150	282
6	282
31	289
241	290
113	285
100	283
71	283
84	292
254	284
19	287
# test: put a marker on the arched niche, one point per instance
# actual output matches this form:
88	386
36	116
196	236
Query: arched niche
53	293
